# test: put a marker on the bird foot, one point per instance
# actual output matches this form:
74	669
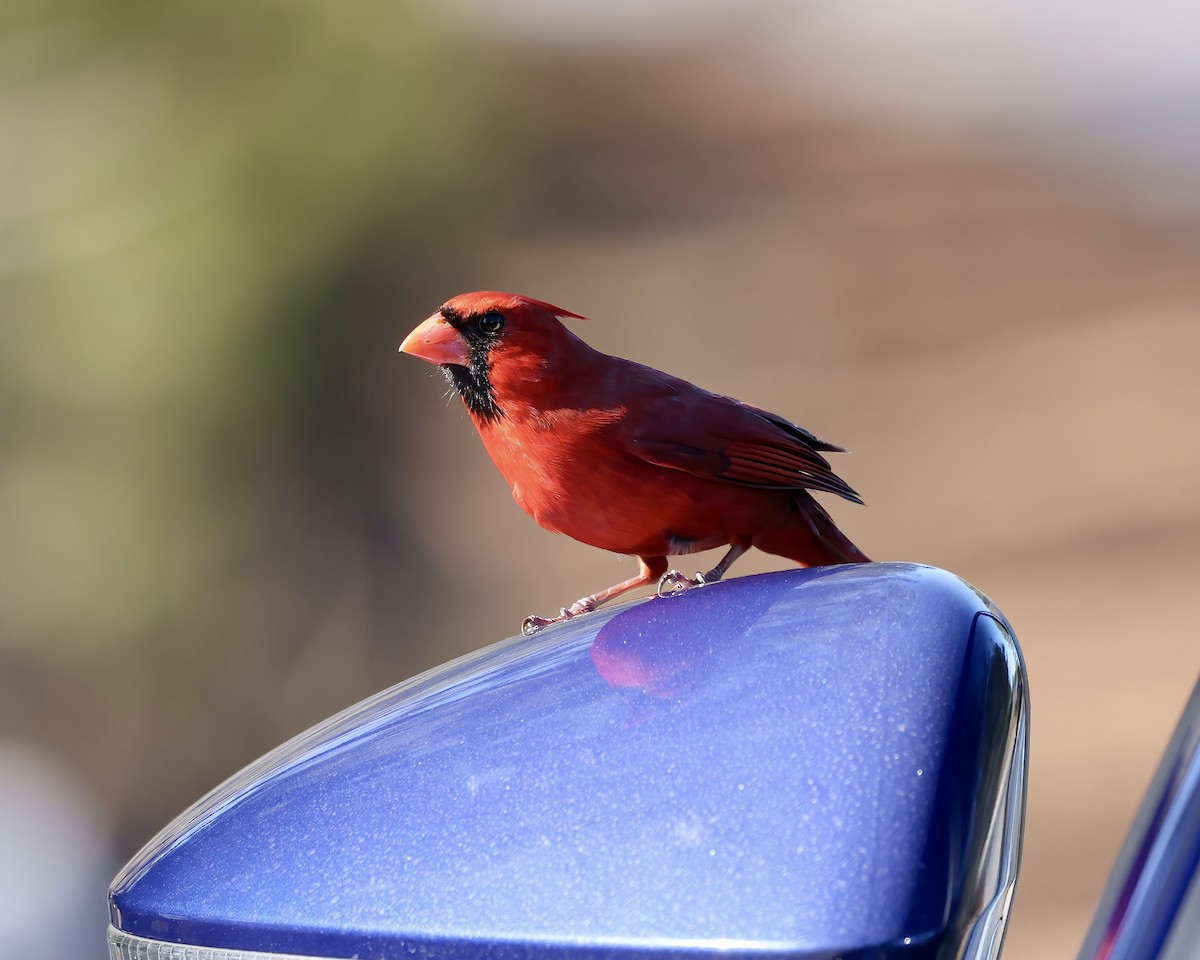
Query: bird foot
532	624
673	583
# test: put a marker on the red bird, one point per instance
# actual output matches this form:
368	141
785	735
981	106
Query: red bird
627	458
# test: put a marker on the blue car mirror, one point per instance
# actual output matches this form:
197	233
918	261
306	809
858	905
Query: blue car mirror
817	763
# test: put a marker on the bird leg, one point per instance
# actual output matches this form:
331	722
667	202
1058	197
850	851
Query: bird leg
650	569
673	582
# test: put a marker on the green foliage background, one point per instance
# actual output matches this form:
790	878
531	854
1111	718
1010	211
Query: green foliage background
209	215
189	189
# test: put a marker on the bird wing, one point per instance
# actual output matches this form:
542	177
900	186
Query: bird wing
720	438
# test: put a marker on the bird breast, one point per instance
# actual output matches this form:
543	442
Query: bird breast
567	469
573	473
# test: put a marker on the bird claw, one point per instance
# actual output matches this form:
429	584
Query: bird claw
672	583
532	624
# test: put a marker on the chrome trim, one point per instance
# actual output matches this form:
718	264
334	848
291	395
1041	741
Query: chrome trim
125	946
996	847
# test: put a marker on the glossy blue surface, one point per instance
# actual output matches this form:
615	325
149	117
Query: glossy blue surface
1142	915
806	763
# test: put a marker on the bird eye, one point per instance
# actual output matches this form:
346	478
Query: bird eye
490	323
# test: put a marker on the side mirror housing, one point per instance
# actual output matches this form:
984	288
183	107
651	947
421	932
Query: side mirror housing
816	763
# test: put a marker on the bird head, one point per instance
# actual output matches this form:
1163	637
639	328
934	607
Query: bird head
484	341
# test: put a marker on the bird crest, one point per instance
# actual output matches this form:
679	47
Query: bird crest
470	304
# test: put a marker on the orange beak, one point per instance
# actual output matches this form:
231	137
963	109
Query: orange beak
438	342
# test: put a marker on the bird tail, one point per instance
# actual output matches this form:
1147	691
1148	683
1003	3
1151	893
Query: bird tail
814	540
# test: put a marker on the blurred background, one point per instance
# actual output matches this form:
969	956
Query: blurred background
961	240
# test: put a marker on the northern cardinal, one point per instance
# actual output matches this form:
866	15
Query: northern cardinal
627	458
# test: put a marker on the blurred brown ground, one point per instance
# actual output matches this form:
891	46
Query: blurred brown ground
1008	348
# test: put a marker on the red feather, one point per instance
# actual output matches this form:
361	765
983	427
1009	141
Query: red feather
625	457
